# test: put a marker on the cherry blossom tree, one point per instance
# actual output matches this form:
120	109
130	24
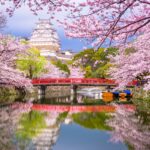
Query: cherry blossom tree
76	72
128	128
9	48
96	20
102	20
34	5
2	20
134	64
54	72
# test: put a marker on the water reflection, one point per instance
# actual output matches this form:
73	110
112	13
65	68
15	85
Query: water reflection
39	128
129	127
27	126
92	120
25	129
78	99
9	117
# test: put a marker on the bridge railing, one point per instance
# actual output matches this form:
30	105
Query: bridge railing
73	81
101	81
78	81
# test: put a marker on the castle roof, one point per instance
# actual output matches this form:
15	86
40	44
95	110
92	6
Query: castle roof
44	36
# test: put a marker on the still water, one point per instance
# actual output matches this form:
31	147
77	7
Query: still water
65	123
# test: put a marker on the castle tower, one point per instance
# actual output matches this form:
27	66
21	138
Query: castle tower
45	38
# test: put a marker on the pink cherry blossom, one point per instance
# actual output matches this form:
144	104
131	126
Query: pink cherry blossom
103	20
9	48
54	72
130	66
95	20
128	128
76	72
2	20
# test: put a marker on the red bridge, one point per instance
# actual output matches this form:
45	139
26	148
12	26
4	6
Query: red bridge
76	81
73	83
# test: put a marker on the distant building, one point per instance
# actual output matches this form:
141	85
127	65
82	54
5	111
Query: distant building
46	39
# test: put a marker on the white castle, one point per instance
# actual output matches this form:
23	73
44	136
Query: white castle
46	39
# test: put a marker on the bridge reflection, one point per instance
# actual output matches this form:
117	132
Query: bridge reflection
75	109
77	99
69	108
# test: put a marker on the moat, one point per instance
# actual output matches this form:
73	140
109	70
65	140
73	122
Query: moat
61	122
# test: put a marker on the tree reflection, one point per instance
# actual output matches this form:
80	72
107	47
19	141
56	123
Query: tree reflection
92	120
23	129
31	124
37	130
62	116
9	117
129	128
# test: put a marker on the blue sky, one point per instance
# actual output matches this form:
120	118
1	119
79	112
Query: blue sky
23	22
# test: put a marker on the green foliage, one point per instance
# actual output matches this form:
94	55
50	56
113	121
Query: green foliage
93	120
7	91
24	41
31	63
129	51
31	124
8	95
95	63
62	66
141	99
142	104
143	109
68	62
62	117
130	147
88	71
